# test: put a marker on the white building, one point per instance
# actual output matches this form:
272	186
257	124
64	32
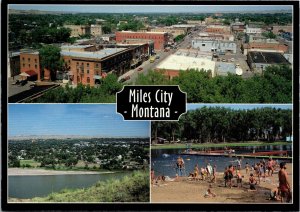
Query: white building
214	46
253	30
175	63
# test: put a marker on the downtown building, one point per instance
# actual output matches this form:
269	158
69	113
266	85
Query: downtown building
160	39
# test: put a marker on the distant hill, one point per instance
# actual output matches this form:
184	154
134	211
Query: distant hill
35	12
63	137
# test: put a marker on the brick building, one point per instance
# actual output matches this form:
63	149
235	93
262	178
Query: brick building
277	29
160	39
96	30
78	30
13	64
88	67
30	64
173	64
173	31
267	47
218	29
258	61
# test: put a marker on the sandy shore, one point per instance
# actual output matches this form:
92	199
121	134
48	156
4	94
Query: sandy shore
193	191
32	172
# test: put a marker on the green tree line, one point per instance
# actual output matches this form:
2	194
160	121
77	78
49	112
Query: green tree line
273	86
220	124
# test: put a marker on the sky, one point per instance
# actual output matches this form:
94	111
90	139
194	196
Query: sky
240	106
148	8
72	119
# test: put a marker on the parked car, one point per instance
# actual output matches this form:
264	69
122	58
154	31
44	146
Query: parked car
140	69
127	78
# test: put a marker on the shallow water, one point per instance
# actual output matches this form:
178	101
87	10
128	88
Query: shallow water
42	185
163	161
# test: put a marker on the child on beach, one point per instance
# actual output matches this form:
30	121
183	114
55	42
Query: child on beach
239	179
152	176
209	193
247	168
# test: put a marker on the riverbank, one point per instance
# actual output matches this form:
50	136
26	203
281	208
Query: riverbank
131	188
32	172
189	191
211	145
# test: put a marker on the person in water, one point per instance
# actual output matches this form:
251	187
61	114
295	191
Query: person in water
179	165
284	184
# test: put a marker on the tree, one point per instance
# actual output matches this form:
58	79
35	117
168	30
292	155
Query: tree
51	60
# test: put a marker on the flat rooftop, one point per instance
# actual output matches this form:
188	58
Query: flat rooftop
223	68
93	55
144	32
75	46
180	62
268	57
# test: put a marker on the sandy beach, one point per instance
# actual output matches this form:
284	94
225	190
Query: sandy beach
190	191
32	172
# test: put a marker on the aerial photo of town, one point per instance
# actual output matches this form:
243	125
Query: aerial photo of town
217	54
76	153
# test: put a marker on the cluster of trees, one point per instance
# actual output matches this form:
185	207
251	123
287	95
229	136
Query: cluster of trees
269	35
68	153
131	25
179	38
220	124
266	18
30	30
84	93
273	86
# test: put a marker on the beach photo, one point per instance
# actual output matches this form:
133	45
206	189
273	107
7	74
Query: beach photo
87	53
224	153
76	153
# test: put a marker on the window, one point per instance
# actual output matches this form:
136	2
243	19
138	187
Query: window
23	58
97	65
35	60
28	65
23	65
87	71
78	79
87	65
35	66
88	80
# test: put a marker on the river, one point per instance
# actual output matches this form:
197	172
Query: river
26	187
163	161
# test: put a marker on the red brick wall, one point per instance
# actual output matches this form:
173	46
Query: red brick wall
271	46
85	75
170	74
159	39
30	62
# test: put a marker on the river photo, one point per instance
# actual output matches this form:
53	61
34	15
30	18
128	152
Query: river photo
25	187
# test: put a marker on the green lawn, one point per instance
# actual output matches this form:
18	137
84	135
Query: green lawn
206	145
32	163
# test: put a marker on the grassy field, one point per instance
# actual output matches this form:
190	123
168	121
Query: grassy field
131	188
32	163
207	145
